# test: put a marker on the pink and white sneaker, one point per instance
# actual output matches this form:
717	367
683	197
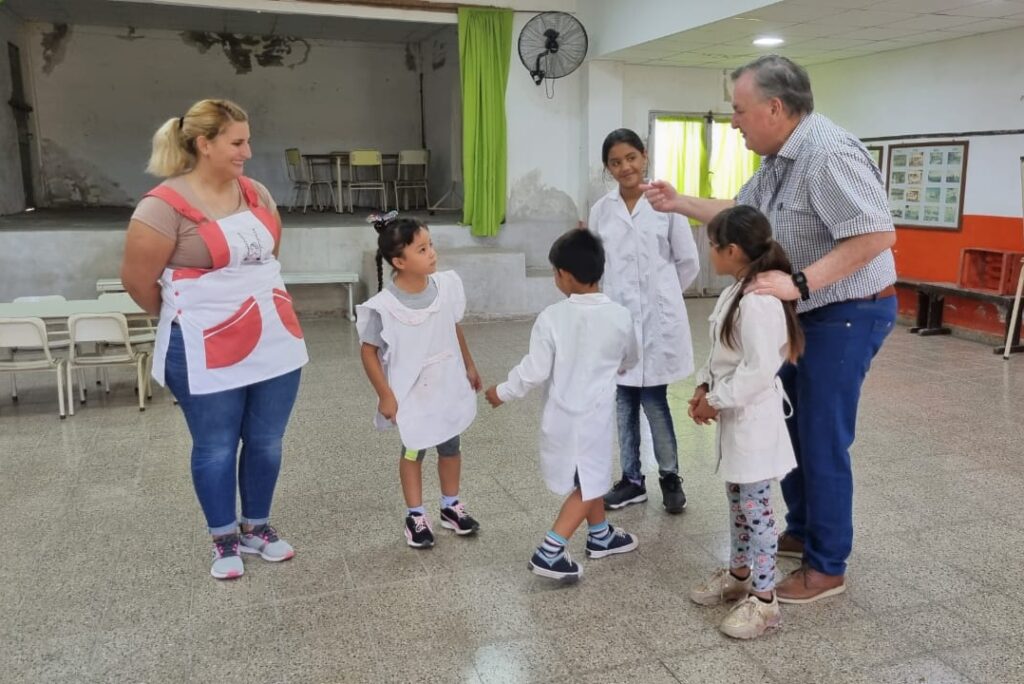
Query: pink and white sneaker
262	540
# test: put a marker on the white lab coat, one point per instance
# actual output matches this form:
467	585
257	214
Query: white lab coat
423	363
650	259
577	348
751	437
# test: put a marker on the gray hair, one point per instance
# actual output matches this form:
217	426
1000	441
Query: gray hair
781	77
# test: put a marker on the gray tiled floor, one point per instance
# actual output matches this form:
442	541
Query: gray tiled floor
104	572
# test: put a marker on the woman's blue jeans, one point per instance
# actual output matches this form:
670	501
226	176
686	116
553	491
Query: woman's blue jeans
255	415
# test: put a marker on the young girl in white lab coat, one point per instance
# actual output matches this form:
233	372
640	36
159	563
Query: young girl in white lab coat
578	348
752	335
651	259
416	358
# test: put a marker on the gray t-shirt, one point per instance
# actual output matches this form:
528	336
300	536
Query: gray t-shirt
418	300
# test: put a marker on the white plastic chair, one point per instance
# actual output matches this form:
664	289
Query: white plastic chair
412	175
56	333
30	333
303	183
366	160
109	332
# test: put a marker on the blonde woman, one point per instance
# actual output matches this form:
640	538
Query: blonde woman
201	253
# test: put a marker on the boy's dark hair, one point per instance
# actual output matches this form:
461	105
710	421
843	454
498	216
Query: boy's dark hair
394	234
580	253
749	229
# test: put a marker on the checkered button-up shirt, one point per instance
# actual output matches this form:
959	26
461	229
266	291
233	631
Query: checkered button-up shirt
820	188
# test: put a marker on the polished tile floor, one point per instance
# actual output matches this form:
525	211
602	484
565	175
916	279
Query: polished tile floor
104	576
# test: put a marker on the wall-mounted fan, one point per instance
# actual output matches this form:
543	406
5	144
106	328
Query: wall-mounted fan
552	45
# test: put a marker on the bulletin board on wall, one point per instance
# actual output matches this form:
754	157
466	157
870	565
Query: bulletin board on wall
925	184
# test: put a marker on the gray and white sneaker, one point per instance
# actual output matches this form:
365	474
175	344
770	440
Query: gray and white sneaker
227	564
263	541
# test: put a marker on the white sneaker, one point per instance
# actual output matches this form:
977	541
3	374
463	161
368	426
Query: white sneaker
227	564
751	618
263	541
719	588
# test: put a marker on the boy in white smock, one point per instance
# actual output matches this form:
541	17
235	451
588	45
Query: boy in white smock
578	348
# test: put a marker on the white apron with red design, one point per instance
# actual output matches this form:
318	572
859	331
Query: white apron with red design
236	319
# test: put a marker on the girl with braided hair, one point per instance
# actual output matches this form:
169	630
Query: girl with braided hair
417	360
752	336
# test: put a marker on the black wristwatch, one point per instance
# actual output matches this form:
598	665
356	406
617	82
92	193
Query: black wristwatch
800	280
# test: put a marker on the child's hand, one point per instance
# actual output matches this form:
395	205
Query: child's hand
388	407
704	413
474	379
699	393
492	396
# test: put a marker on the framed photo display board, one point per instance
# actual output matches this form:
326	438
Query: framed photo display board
925	183
875	152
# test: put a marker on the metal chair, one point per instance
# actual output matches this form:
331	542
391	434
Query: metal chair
372	179
412	175
303	183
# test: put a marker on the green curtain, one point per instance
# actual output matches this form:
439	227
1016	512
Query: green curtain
682	157
732	164
485	48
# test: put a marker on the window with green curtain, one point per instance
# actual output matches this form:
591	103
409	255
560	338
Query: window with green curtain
485	48
732	164
681	156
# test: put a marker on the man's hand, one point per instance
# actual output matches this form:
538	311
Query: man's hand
474	379
775	283
492	396
661	195
388	407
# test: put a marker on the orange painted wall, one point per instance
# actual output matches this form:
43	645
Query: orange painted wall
935	255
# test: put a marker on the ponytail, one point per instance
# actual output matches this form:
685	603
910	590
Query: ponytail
174	143
749	229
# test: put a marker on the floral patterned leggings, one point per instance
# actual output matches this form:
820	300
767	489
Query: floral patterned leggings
755	538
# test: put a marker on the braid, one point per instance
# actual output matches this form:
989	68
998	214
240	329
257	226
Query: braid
380	271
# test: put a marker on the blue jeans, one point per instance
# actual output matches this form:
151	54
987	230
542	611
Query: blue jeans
256	415
824	389
655	403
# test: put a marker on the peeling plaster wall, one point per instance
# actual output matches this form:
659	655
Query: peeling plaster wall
102	92
12	197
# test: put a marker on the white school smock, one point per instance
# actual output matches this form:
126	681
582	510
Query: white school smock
423	364
650	259
237	321
577	348
751	437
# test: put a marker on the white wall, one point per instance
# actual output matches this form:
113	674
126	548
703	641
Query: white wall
615	25
99	103
969	84
12	197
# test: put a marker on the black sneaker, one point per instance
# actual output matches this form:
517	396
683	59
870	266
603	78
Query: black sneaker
456	519
417	532
672	494
616	541
562	568
625	493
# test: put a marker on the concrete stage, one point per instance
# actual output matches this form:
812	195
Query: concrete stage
65	251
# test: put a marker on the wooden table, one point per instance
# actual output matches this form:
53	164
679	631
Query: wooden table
931	301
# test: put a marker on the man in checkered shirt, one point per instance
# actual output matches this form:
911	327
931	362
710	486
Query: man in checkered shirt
827	206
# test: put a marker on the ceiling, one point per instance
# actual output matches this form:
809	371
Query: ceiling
143	15
818	31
